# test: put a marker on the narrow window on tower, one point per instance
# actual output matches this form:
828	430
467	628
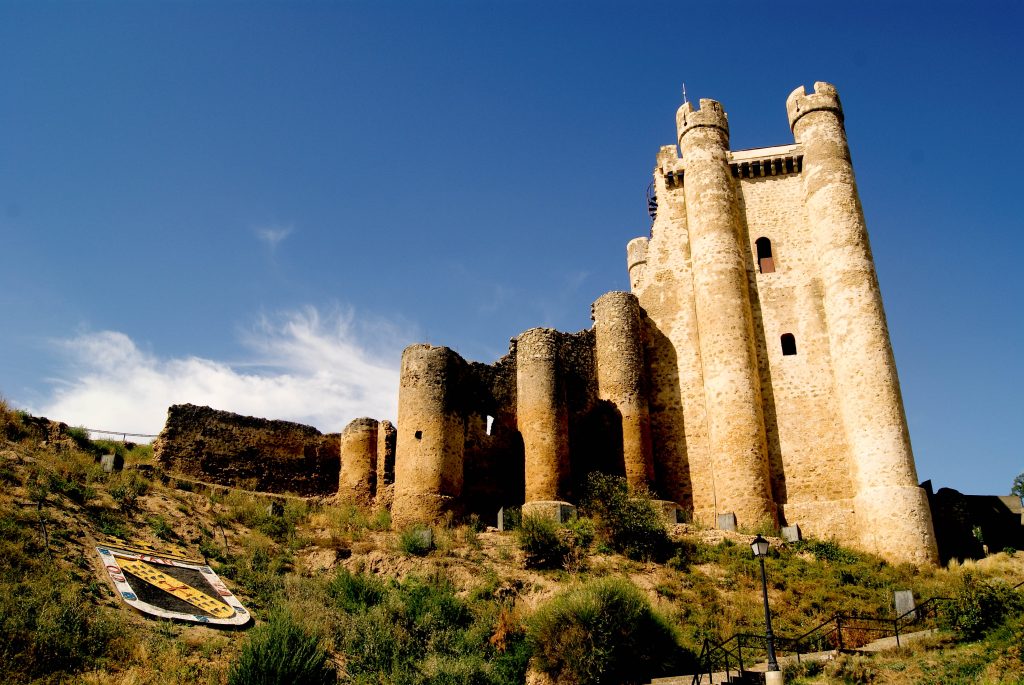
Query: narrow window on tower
765	263
788	344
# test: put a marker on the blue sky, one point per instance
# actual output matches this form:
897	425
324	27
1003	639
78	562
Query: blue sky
258	205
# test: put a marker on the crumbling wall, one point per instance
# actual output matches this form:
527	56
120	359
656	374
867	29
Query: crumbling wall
247	452
494	465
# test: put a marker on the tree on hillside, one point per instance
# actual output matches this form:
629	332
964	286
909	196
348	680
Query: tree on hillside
1018	486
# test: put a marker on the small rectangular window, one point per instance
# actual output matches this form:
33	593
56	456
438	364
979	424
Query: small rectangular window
788	344
765	261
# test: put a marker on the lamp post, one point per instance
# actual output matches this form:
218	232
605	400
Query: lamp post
760	547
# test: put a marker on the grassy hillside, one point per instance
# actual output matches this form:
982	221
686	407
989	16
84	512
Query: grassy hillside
339	596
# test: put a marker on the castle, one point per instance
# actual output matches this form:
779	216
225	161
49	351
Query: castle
748	373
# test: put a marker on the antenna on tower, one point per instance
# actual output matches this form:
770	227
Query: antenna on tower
684	94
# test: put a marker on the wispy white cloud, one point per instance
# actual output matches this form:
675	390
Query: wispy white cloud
301	366
273	235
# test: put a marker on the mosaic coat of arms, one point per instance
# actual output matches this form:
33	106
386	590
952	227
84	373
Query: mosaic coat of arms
165	581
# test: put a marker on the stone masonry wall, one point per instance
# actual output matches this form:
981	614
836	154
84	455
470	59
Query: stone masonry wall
807	449
664	287
243	451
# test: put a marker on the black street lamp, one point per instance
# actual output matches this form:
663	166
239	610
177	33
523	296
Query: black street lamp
760	547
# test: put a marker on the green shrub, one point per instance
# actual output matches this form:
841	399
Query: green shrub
280	652
420	632
209	548
538	536
126	488
417	540
48	626
547	544
511	518
160	527
627	522
80	436
260	567
355	592
72	486
254	513
978	605
828	550
603	631
111	523
12	426
579	533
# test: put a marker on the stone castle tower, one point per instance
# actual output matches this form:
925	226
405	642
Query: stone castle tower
749	371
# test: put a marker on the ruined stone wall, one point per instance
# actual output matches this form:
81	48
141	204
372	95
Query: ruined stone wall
387	436
494	470
548	429
247	452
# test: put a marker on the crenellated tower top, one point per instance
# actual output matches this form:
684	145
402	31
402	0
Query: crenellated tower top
825	97
709	114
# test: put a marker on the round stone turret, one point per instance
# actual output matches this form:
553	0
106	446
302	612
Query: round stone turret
358	478
737	444
710	115
892	512
636	260
620	380
542	415
431	439
825	98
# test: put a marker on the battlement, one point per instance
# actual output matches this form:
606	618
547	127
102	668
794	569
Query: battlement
825	97
710	114
777	160
766	161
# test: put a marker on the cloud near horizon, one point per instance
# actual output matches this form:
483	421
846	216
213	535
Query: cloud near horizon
321	371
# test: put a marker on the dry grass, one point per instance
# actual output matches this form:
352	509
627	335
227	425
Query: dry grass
710	589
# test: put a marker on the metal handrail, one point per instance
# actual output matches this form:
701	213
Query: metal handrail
721	652
707	660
